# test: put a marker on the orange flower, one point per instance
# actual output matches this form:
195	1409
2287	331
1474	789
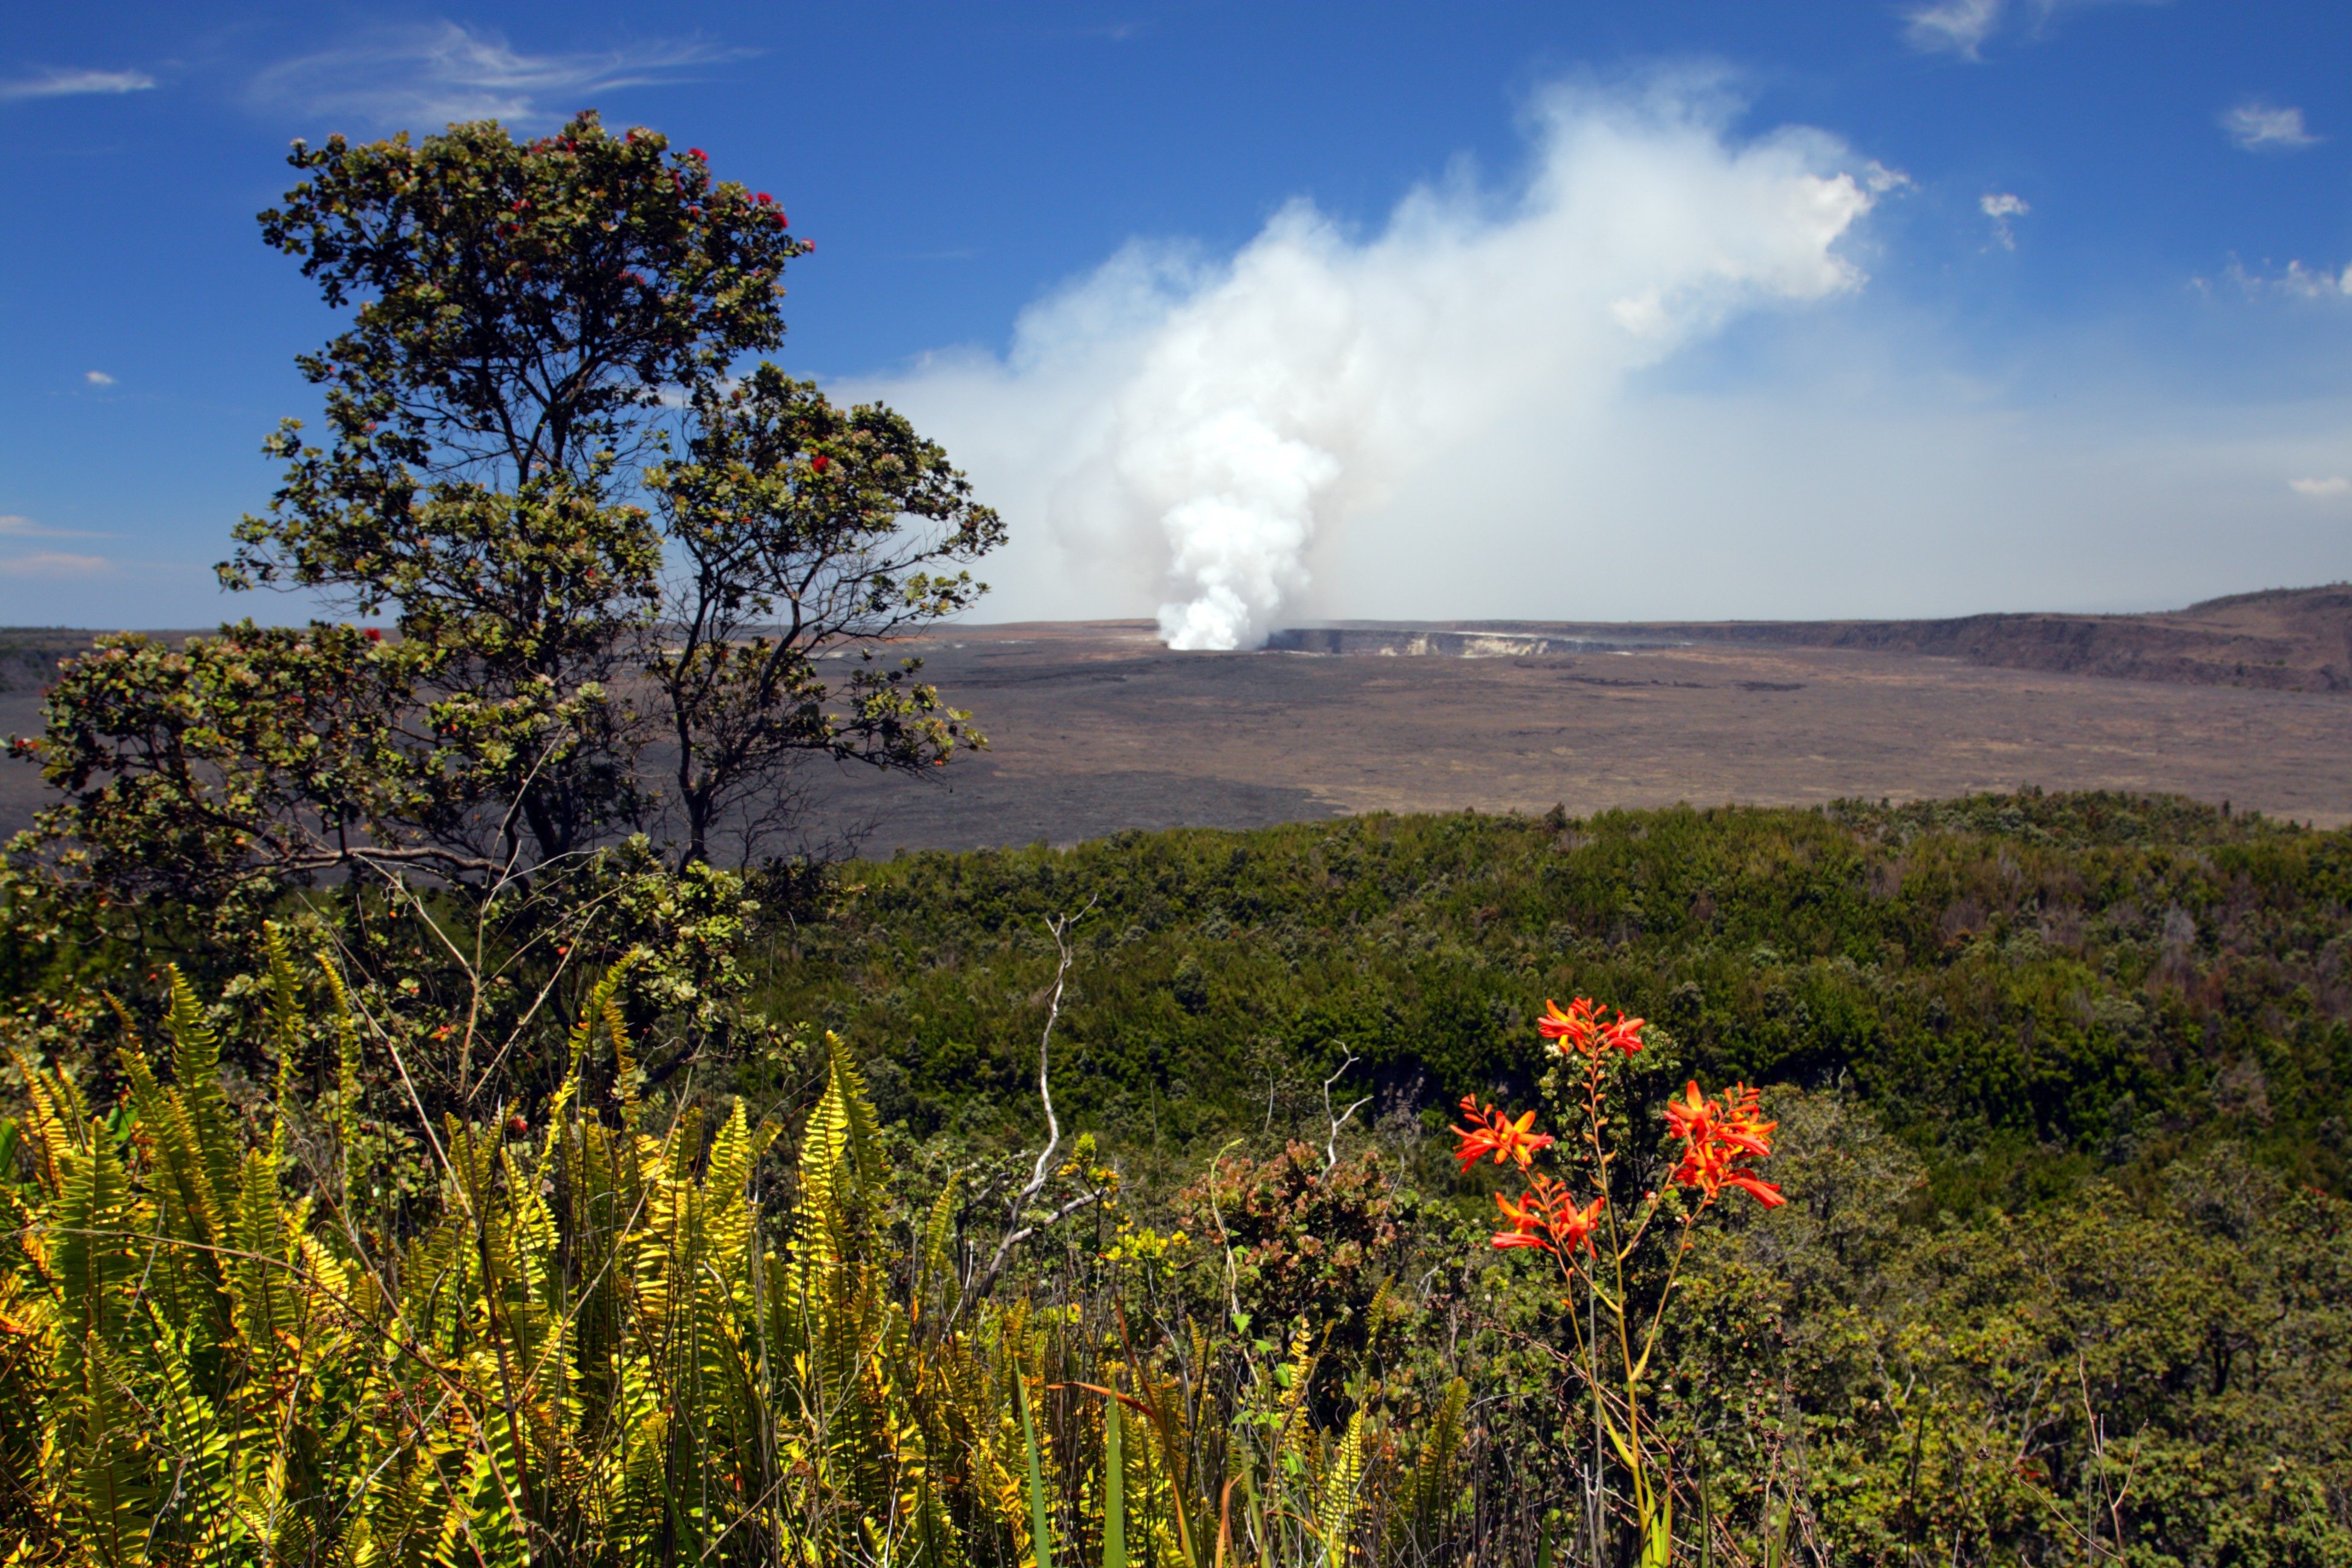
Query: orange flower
1744	1127
1546	1216
1765	1193
1574	1025
1713	1136
1624	1036
1526	1222
1692	1117
1579	1028
1492	1131
1572	1228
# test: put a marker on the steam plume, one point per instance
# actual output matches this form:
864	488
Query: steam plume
1210	427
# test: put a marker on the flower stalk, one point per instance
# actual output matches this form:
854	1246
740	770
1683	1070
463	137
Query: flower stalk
1599	1257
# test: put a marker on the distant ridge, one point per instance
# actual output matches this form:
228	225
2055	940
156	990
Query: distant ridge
2280	639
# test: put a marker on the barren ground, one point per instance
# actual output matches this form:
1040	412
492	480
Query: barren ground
1095	728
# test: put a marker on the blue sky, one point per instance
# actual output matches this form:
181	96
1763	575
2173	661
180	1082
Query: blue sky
2062	321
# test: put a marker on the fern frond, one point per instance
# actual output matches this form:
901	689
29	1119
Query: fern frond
1335	1518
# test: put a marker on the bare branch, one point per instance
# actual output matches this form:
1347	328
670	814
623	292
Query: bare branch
1332	1145
982	1283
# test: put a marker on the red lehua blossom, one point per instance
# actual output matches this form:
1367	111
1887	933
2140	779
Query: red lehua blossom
517	1125
372	634
820	462
698	155
1493	1132
763	198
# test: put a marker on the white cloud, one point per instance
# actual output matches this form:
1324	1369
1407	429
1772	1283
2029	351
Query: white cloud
2000	206
75	83
2335	485
98	378
424	78
2255	125
1204	433
1960	26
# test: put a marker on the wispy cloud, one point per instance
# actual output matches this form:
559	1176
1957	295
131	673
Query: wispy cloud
1959	26
1963	27
75	84
424	77
2255	125
2000	206
55	564
98	378
2296	280
2333	485
14	526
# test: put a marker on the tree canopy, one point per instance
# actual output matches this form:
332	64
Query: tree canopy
610	561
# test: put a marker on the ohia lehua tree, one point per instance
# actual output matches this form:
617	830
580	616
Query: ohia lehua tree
608	563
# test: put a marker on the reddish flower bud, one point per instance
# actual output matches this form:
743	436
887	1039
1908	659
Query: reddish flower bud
517	1125
820	462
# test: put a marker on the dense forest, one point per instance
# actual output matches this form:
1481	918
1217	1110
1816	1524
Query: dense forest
2027	991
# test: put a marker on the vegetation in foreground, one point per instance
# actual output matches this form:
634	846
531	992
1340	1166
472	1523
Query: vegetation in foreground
254	1313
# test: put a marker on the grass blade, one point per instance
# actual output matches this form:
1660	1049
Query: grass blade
1114	1488
1040	1533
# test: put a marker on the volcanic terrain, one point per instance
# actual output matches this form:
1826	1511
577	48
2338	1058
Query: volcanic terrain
1094	727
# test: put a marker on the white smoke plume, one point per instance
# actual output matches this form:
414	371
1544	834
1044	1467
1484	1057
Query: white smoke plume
1211	429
